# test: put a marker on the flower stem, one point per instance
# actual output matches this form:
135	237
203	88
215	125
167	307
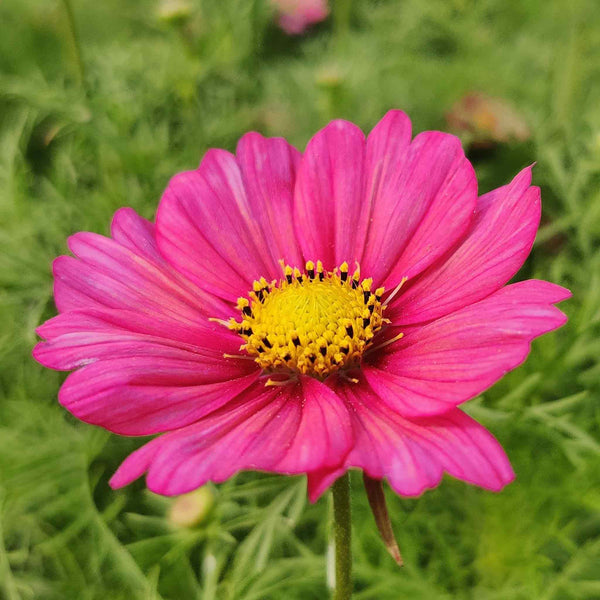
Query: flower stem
75	40
342	534
341	15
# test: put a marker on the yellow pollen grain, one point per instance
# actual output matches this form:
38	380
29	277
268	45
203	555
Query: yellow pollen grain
314	322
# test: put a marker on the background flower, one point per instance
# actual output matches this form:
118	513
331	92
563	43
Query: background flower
295	16
483	121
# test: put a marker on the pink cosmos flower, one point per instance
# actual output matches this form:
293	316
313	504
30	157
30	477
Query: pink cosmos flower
295	16
235	326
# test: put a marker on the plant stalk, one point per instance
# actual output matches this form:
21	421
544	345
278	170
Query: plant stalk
75	40
342	10
342	534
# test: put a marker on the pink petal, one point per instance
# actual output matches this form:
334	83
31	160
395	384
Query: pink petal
140	375
218	234
150	359
324	434
152	389
77	338
321	480
135	233
455	358
330	213
197	335
423	196
130	276
387	155
268	167
289	429
501	237
413	454
445	223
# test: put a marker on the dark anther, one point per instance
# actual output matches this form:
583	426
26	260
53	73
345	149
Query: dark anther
288	278
311	274
354	284
296	341
266	342
366	322
366	296
247	311
261	295
259	349
299	279
371	307
247	331
323	350
345	350
321	276
350	331
312	357
287	357
344	275
378	297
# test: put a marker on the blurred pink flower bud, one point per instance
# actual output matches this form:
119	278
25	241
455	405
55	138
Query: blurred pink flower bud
295	16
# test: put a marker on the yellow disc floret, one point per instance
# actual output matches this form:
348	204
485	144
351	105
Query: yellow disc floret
314	323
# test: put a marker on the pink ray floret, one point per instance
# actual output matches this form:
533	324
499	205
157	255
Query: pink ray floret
147	316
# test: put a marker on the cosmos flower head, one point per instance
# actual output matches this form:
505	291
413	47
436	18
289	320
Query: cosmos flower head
296	16
305	313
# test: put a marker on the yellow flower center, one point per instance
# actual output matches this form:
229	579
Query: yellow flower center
314	323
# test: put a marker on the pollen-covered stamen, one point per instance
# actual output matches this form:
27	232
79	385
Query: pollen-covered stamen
315	323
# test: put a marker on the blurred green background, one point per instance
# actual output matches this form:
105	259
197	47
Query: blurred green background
100	116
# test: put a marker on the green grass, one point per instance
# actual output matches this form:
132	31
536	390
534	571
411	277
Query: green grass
152	99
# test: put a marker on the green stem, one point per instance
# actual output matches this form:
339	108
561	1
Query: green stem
75	39
341	15
342	534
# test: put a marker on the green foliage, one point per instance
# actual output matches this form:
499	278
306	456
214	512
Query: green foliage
153	96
